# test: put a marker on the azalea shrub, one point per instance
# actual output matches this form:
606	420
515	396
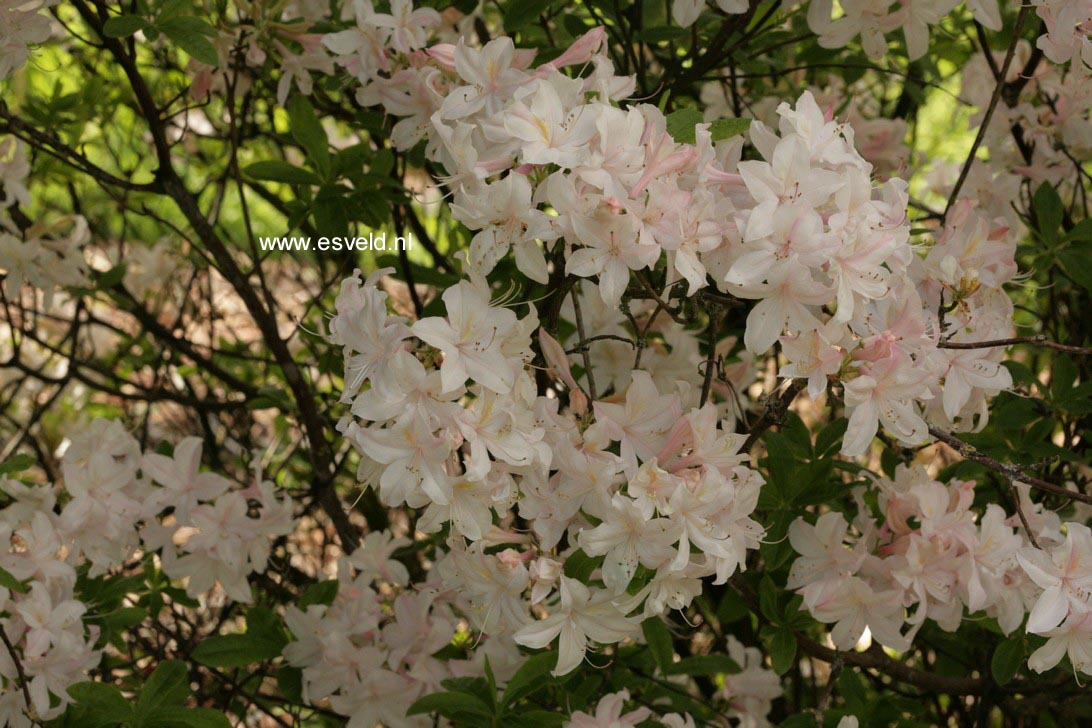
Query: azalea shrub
529	363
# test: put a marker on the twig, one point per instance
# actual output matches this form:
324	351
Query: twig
31	713
1011	472
997	89
582	345
710	361
774	412
584	354
1037	340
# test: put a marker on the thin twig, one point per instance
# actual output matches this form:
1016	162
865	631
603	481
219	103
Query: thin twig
584	354
1037	340
31	713
997	89
1011	472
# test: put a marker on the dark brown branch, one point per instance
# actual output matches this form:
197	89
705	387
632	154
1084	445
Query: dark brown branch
171	184
998	88
774	412
31	714
1010	472
1037	340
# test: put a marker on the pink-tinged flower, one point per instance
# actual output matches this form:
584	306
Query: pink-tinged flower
785	300
184	485
490	75
362	49
21	25
1072	638
611	250
471	338
751	691
408	27
581	615
823	553
415	457
886	392
627	536
362	327
1065	575
608	714
851	604
639	424
581	51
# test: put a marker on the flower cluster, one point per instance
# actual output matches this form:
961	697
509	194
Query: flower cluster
928	551
116	502
47	255
872	20
801	231
371	655
465	438
22	24
647	482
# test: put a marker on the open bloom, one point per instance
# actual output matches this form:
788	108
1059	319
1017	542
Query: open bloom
1065	574
582	614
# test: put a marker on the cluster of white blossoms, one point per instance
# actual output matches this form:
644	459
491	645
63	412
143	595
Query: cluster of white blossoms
371	655
930	556
115	504
46	254
450	423
540	162
648	482
574	512
373	650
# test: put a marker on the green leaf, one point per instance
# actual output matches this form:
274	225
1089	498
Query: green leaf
99	704
659	641
276	171
580	566
782	650
8	581
767	600
728	128
290	683
450	705
477	687
537	719
1080	231
532	676
122	26
261	642
112	277
1074	259
308	132
322	592
830	437
1049	212
681	123
168	686
16	464
661	33
191	35
1007	659
519	15
799	720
